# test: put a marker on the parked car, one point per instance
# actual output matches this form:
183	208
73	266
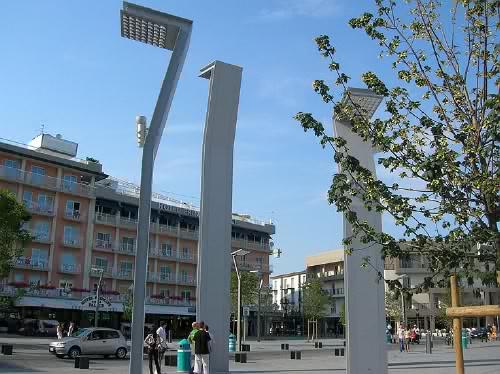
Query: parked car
91	341
480	333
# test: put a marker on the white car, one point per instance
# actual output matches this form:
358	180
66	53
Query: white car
91	341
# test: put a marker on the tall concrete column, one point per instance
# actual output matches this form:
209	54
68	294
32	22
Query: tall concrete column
364	292
214	245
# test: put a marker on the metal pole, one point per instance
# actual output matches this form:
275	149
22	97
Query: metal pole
457	328
258	314
98	295
238	323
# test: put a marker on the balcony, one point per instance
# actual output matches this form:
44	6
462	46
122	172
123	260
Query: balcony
189	280
186	233
249	244
252	266
127	248
77	188
11	174
105	219
163	253
72	242
69	269
104	245
95	271
40	236
328	276
167	229
128	222
36	208
73	215
186	257
30	264
40	180
124	274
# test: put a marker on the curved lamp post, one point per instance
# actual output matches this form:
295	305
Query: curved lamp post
172	33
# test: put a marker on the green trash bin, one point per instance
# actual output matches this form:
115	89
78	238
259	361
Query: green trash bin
184	357
232	343
465	339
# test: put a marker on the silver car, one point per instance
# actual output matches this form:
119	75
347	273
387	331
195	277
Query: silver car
91	341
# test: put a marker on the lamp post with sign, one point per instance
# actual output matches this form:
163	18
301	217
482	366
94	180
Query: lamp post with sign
100	271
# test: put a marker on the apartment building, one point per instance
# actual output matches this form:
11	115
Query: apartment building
287	290
426	307
84	224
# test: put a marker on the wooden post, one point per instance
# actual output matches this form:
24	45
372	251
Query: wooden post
457	328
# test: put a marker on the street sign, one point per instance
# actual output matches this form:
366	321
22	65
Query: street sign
246	311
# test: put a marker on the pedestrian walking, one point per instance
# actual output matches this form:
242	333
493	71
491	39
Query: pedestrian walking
201	350
59	331
407	339
71	328
153	341
162	333
401	336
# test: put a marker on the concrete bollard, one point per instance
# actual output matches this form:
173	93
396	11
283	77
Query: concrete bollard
170	360
7	349
292	355
84	362
298	355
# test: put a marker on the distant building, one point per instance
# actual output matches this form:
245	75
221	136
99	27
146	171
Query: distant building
287	290
84	222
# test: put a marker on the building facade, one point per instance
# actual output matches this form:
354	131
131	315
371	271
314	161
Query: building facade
84	224
427	309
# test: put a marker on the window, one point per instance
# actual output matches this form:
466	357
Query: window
185	253
12	168
35	280
41	230
111	334
292	282
69	182
125	267
27	198
166	249
164	272
68	262
186	295
165	293
103	240
39	257
38	174
128	243
45	202
72	209
71	235
99	335
101	262
184	276
19	277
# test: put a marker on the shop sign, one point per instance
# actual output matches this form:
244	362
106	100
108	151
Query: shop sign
90	301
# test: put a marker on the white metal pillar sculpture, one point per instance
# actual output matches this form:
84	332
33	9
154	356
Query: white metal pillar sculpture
366	351
214	245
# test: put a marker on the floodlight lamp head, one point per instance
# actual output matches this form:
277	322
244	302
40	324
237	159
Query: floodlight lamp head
150	26
362	99
240	252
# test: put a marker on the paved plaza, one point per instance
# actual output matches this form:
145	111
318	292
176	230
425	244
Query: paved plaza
31	356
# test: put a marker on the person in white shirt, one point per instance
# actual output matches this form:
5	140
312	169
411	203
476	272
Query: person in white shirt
162	333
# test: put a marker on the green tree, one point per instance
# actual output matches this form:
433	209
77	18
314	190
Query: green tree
315	300
438	137
249	289
128	307
393	305
13	238
342	315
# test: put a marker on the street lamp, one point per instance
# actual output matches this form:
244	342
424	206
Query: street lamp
240	252
172	33
259	273
403	303
98	293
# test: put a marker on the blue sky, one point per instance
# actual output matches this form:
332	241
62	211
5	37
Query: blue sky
65	65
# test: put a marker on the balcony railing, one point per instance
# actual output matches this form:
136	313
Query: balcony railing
188	257
163	253
124	221
248	266
12	174
40	236
188	233
72	242
127	248
109	219
34	207
73	214
77	188
243	243
167	229
95	271
189	280
123	274
104	244
70	268
30	263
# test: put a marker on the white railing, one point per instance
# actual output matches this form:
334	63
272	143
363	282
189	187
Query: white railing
167	228
72	242
123	274
70	268
30	263
163	252
185	256
95	270
105	218
40	236
127	248
73	214
128	221
104	244
33	206
190	280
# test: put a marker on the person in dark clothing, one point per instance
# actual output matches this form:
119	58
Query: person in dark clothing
153	342
201	350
